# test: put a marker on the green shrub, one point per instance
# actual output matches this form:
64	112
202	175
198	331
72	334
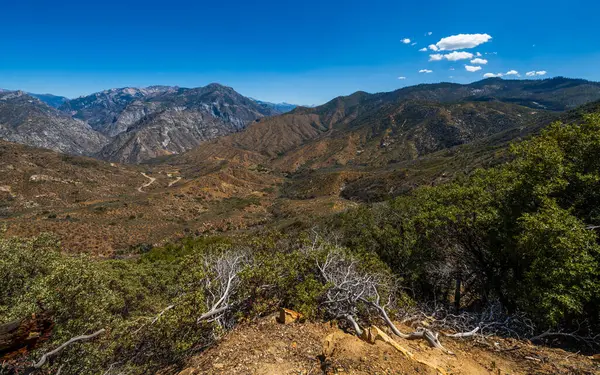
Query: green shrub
518	232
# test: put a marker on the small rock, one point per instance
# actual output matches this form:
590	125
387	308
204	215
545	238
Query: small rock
287	316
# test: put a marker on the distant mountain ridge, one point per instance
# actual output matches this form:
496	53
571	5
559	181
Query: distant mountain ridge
103	111
133	125
279	107
175	120
136	124
27	120
52	100
375	129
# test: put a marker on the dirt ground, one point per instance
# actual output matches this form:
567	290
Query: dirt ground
269	348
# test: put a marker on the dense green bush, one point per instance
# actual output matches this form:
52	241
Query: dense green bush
149	304
521	233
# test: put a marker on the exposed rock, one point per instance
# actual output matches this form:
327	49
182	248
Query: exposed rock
25	119
46	178
287	316
175	121
106	111
373	334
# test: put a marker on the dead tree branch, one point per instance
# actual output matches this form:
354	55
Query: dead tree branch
593	342
221	284
45	357
156	318
350	288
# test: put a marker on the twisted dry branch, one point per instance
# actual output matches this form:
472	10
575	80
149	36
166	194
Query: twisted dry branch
45	357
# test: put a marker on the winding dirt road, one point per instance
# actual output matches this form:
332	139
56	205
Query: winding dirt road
150	182
175	181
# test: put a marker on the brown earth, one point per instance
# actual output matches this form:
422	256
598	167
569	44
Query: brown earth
269	348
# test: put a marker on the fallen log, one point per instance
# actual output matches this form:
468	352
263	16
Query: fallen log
23	335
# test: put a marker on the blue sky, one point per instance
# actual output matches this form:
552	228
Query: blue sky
304	52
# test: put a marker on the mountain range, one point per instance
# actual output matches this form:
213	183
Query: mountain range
279	107
129	124
134	125
195	160
26	119
364	129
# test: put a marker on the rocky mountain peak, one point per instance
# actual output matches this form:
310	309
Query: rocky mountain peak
26	119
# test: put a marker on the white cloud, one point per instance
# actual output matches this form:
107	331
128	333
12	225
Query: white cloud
455	56
433	47
470	68
413	44
536	73
406	41
424	49
452	68
478	54
462	41
425	71
512	73
492	75
402	78
429	33
479	61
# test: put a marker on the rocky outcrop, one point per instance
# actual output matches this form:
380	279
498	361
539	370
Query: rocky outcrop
104	111
27	120
174	122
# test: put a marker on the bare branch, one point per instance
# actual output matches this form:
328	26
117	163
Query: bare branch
355	325
591	341
54	352
155	318
464	334
350	288
221	284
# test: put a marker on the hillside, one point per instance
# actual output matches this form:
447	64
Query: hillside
100	208
177	265
269	348
103	110
450	114
28	120
173	122
381	147
34	179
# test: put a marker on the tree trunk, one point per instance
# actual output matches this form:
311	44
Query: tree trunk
457	295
